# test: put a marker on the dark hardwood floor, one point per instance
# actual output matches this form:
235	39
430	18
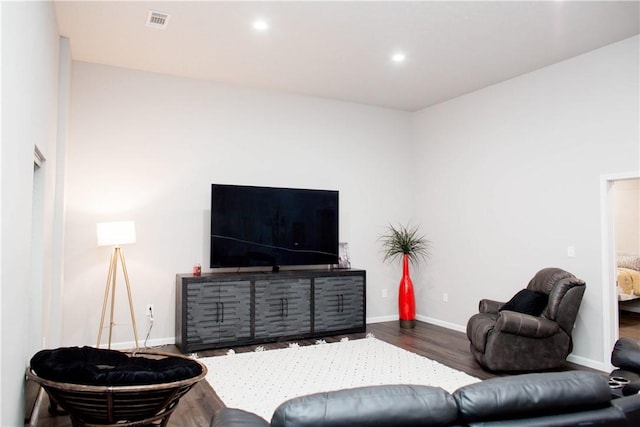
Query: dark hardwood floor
446	346
629	324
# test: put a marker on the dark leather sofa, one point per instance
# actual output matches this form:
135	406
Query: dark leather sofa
572	398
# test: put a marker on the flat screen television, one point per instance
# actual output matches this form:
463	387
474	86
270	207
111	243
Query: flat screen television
272	227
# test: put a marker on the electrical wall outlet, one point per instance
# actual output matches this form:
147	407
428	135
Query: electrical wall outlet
149	311
385	293
445	297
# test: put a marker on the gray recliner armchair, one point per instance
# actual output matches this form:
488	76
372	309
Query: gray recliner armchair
533	330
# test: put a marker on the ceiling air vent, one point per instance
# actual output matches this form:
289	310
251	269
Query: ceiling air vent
157	19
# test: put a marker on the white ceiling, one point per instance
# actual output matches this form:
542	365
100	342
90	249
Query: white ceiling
341	50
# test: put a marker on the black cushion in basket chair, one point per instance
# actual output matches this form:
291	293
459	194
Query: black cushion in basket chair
102	367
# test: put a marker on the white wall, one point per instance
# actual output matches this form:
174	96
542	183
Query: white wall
626	196
509	176
147	147
29	112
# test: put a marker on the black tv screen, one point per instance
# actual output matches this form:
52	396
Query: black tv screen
267	226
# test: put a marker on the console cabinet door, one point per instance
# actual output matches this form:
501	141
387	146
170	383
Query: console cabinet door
339	303
283	307
218	312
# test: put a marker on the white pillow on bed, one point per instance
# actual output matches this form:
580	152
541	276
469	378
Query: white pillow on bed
629	261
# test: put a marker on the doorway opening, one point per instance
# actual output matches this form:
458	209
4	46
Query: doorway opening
626	216
620	213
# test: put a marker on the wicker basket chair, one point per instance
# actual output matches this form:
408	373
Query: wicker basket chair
120	405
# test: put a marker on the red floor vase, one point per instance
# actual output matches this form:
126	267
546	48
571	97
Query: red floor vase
406	299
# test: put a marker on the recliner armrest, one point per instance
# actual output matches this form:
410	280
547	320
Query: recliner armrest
489	306
626	355
231	417
525	325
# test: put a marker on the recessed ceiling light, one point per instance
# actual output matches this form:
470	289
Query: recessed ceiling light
260	25
398	57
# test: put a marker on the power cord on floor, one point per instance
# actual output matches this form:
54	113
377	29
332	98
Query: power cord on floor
150	327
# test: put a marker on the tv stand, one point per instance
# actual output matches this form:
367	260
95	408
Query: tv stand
219	310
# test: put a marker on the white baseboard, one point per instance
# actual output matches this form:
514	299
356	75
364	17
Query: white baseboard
394	317
589	363
381	319
448	325
157	342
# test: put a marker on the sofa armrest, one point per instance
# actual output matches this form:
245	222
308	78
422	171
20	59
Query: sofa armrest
626	355
231	417
525	325
489	306
532	395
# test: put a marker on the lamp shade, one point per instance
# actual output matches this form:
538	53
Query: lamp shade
116	233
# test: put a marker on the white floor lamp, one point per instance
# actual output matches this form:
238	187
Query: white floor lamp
116	234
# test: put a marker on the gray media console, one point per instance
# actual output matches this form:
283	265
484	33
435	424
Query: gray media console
231	309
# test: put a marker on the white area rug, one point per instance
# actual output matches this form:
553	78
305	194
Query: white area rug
260	381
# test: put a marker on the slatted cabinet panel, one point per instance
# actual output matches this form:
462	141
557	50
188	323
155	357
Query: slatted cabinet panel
283	308
217	313
339	303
